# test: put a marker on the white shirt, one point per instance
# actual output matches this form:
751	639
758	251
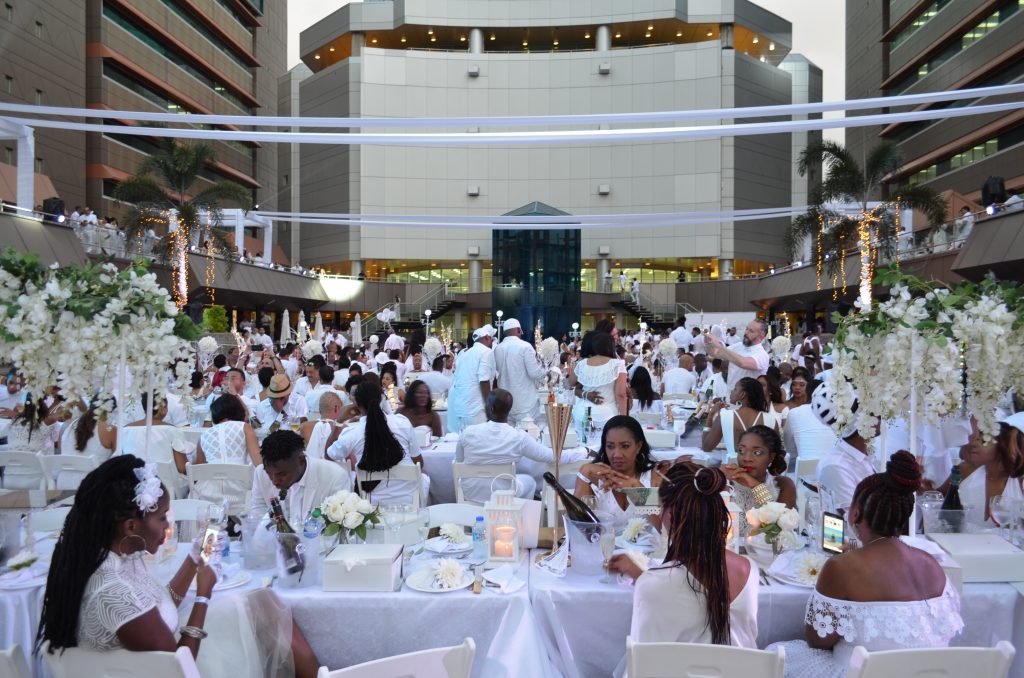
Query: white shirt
313	396
394	341
839	473
518	372
622	280
1013	203
472	366
351	442
719	389
295	408
681	336
756	352
697	344
265	339
321	479
291	367
10	400
806	436
678	380
302	386
437	382
636	285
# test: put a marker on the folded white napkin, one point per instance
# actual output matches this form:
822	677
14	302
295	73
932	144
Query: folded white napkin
646	542
25	577
441	545
505	577
558	563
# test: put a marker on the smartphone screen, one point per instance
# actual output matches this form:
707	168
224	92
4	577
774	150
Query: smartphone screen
209	543
832	532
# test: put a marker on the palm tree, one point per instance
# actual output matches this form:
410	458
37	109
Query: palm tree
874	232
161	185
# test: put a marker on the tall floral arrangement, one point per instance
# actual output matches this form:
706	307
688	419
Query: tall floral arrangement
71	326
940	348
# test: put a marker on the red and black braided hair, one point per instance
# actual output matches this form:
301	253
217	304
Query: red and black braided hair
886	500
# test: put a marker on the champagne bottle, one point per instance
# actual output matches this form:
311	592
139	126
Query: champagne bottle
574	508
294	561
952	501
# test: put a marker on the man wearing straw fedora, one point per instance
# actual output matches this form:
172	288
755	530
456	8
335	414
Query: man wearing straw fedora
281	409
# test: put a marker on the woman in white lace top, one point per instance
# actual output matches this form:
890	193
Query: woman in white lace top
101	596
913	606
231	440
600	380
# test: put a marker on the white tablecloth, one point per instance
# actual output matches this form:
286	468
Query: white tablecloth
585	623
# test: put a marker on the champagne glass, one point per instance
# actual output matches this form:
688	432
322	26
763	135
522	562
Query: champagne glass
1002	511
607	549
423	526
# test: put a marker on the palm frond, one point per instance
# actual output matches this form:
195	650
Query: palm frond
924	199
223	191
883	159
142	190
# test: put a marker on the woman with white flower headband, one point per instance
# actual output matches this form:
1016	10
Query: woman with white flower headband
703	592
101	596
913	606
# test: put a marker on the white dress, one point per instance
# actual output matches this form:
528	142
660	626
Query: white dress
879	625
601	380
972	494
38	441
666	609
729	436
224	443
122	590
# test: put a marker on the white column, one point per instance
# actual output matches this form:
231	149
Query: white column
603	41
476	41
239	232
357	268
602	269
268	242
725	269
26	170
476	275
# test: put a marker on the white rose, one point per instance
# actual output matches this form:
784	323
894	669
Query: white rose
752	518
364	506
789	520
770	512
351	503
335	512
353	519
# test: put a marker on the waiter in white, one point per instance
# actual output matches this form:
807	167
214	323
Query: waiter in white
518	372
472	380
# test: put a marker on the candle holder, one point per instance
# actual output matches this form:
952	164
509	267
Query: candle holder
559	418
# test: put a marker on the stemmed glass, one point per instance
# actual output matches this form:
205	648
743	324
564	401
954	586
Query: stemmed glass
607	549
394	517
1004	510
423	527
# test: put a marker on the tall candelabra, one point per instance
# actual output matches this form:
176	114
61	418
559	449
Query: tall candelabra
559	417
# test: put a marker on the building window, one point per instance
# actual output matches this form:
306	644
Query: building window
9	11
8	84
39	166
39	97
39	30
8	155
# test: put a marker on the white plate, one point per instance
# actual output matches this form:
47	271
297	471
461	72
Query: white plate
240	578
420	580
451	549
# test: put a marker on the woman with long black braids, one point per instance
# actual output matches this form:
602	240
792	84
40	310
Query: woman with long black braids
703	593
100	596
377	443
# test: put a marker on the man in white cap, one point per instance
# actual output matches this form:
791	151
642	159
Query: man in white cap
471	383
518	372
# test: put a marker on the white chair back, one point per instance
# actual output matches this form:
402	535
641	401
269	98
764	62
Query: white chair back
483	472
13	663
444	662
648	418
697	660
74	662
49	520
168	474
567	473
188	509
22	471
219	482
73	466
460	514
410	472
944	662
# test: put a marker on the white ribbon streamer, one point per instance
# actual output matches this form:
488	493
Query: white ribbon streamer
645	135
526	120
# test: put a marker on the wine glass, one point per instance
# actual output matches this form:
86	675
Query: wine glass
1003	510
607	549
423	526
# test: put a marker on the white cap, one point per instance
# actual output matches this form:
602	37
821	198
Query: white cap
381	358
485	331
511	324
1014	420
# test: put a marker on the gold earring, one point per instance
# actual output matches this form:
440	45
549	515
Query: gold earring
120	544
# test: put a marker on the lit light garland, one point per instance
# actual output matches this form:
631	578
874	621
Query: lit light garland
821	228
211	269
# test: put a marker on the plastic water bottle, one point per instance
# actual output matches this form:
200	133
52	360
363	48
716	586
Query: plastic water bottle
479	539
313	525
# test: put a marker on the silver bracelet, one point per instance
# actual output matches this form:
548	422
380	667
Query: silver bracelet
194	632
202	600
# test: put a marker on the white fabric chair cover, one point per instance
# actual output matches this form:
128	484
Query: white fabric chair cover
13	663
76	465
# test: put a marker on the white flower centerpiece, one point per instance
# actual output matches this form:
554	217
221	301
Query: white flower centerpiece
448	574
636	528
782	347
548	352
311	348
346	514
453	533
206	348
777	523
22	560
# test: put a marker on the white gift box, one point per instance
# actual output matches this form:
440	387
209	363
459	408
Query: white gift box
982	557
660	438
363	567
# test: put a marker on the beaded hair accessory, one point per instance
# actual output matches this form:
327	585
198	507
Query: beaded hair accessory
148	491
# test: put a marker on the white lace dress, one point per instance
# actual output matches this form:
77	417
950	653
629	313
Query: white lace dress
600	380
122	589
743	497
225	444
875	625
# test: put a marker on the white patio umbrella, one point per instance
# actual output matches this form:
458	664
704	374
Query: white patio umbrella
319	327
357	331
302	328
286	329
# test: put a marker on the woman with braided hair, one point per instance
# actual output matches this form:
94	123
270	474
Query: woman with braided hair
703	593
913	606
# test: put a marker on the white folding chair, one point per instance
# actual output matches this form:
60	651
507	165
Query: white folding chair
697	660
460	514
13	663
168	474
76	467
22	471
74	662
232	481
462	471
410	472
977	662
50	520
547	494
188	509
648	418
444	662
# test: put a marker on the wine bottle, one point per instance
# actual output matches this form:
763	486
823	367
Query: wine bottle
952	501
574	508
294	561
